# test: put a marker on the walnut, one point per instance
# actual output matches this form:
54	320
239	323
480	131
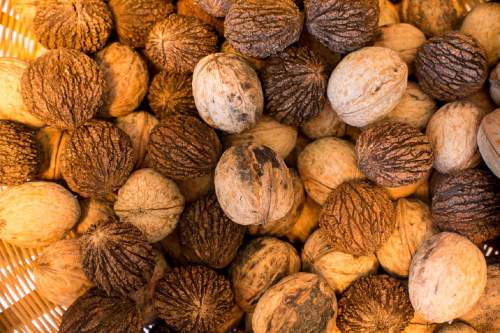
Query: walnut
302	302
208	234
258	266
393	154
93	211
488	141
325	123
306	223
183	147
357	217
495	84
375	303
320	176
196	188
261	29
76	88
253	185
19	153
447	277
231	323
481	99
456	327
343	26
408	190
367	84
293	156
216	8
256	63
36	214
190	8
51	142
227	92
419	325
97	159
135	18
177	43
194	299
451	66
58	273
388	13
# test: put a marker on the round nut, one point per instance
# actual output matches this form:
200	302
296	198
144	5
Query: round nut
93	212
216	8
190	8
488	141
456	327
325	123
388	13
256	63
172	93
196	188
495	84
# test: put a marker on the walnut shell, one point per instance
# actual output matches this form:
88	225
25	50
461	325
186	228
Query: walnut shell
256	63
58	273
150	202
211	237
196	188
343	26
393	154
51	142
306	223
488	141
325	123
189	8
36	214
261	29
93	211
481	99
194	299
302	302
227	93
367	84
84	25
253	185
97	159
389	14
99	313
456	327
357	217
19	153
468	203
375	303
495	84
419	325
63	88
216	8
451	66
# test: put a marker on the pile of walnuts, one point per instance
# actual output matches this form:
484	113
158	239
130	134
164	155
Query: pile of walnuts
263	166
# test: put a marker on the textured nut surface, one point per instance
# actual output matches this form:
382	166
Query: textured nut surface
63	88
93	211
217	8
495	84
190	8
488	141
196	188
172	93
51	142
343	26
455	327
256	63
325	123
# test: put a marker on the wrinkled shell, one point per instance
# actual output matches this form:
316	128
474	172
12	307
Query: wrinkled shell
97	159
63	88
302	302
306	223
194	299
263	28
488	141
376	303
216	8
343	26
227	93
447	277
258	266
172	93
36	214
330	58
232	321
495	84
367	85
58	272
357	217
93	211
51	142
388	13
256	63
456	327
319	174
196	188
189	8
253	185
451	66
325	123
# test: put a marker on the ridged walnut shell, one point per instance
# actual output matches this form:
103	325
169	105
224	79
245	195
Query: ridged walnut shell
294	85
376	303
116	257
84	25
216	8
343	26
263	28
98	313
98	159
488	141
19	153
357	217
393	154
194	299
451	66
63	88
183	147
468	203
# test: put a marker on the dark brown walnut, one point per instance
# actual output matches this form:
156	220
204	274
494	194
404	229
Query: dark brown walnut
96	312
357	217
135	18
194	299
343	26
468	203
63	88
393	154
207	233
216	8
116	257
375	303
19	153
262	28
451	66
177	43
97	159
84	25
172	93
183	147
294	85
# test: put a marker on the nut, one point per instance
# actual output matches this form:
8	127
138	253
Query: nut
488	141
51	142
256	63
306	223
190	8
495	84
196	188
388	13
456	327
216	8
93	211
325	123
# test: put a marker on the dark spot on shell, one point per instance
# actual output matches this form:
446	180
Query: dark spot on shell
242	117
264	154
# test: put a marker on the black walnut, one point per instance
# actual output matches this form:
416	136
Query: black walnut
216	8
